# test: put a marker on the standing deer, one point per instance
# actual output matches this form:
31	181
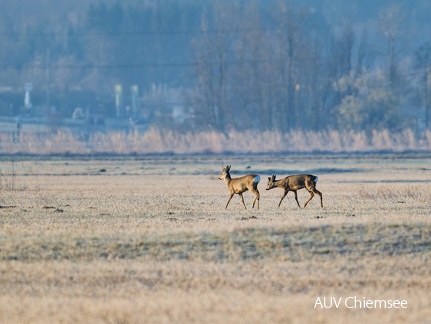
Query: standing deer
240	185
294	183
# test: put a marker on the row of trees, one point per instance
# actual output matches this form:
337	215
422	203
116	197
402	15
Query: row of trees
251	64
278	72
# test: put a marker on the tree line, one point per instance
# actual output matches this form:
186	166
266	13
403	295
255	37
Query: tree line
268	65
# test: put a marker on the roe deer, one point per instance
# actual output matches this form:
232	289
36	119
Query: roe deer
294	183
240	185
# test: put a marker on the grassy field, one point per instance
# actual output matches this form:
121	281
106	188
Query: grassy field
133	240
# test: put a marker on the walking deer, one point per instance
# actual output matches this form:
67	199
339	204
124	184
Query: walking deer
295	183
240	185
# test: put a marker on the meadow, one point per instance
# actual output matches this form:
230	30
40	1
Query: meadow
139	239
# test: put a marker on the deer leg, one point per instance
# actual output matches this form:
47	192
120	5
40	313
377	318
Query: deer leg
242	199
321	196
257	197
296	198
284	195
311	197
228	201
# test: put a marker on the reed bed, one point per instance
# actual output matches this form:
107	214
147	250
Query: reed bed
65	141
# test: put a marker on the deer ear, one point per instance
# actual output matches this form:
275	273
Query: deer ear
273	177
269	178
228	168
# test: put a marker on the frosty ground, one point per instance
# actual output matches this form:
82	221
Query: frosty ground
133	239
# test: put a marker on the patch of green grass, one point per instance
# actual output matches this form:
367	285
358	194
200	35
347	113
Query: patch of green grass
298	243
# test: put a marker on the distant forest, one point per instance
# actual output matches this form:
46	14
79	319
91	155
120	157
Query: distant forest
223	65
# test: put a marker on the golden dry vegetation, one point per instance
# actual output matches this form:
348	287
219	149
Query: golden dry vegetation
133	240
39	139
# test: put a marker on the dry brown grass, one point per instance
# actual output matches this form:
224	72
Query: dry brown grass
149	240
34	141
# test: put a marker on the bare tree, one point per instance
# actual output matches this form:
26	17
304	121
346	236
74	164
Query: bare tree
423	64
249	54
212	50
391	21
286	68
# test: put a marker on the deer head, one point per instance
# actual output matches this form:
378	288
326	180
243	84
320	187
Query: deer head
271	184
225	173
